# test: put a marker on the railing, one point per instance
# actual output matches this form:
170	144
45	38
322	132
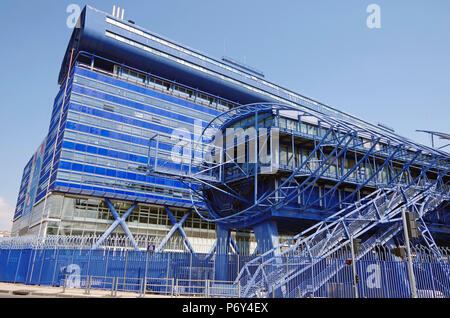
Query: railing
162	89
333	278
327	238
152	286
161	286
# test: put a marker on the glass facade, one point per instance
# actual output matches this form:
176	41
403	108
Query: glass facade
102	151
106	137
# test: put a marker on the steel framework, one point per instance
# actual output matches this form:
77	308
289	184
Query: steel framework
337	141
387	173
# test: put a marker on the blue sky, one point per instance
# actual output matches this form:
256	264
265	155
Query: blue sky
397	75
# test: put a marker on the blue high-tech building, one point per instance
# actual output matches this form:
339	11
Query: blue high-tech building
120	85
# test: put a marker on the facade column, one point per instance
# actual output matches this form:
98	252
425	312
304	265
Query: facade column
266	234
222	251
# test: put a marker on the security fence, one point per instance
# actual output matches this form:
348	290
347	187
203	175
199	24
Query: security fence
334	278
154	286
382	273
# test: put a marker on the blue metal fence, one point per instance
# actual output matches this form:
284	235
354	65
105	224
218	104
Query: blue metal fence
379	274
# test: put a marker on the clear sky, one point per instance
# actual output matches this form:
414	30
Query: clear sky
398	74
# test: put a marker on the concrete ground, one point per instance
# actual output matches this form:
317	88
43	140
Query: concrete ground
8	290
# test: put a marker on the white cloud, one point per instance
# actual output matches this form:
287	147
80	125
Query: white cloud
6	215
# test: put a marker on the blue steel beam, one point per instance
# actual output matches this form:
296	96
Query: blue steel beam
118	221
177	226
222	251
336	127
319	172
360	186
237	218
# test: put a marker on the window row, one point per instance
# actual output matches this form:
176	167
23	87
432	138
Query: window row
130	131
105	142
79	209
361	172
137	126
145	100
120	181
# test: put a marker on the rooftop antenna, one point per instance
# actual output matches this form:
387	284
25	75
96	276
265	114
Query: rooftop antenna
117	14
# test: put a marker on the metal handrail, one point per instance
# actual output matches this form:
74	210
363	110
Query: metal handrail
158	286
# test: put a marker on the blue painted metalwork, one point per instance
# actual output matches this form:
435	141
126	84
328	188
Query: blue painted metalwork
381	273
352	176
222	253
381	207
266	234
417	178
342	142
118	221
177	226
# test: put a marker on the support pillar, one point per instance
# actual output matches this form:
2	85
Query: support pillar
266	234
222	251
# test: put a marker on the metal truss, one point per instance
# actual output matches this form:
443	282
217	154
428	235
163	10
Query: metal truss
335	232
398	173
398	159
